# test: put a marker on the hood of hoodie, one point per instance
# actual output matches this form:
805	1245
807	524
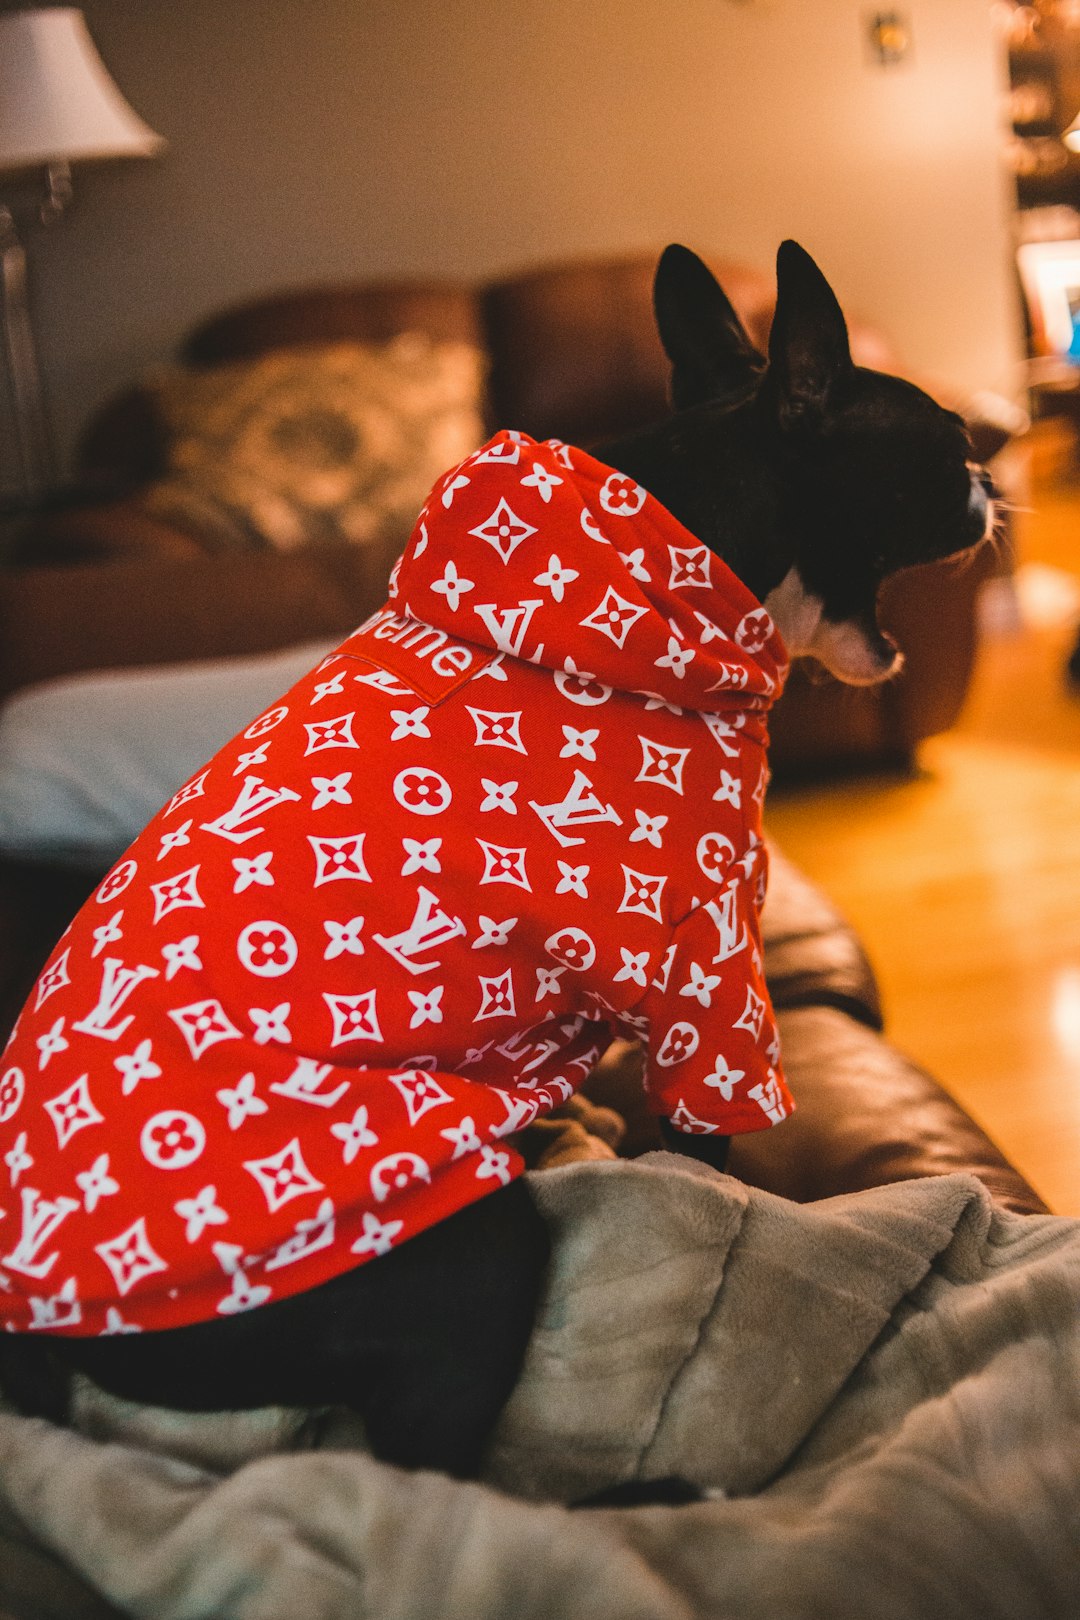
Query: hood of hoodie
541	552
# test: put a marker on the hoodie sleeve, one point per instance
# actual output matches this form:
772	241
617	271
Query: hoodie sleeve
713	1064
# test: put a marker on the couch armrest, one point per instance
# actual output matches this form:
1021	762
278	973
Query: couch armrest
813	957
59	621
97	531
866	1115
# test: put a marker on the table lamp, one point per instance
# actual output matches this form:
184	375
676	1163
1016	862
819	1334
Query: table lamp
58	106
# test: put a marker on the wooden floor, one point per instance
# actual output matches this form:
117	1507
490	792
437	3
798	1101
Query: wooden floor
965	882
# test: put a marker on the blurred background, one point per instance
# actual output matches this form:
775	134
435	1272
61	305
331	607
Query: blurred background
320	140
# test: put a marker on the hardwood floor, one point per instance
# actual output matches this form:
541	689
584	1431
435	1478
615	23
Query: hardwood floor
965	881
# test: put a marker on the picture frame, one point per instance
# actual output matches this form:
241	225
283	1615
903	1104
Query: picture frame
1050	277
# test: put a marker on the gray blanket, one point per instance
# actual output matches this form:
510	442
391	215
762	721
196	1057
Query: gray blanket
881	1393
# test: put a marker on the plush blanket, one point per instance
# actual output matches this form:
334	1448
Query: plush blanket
880	1392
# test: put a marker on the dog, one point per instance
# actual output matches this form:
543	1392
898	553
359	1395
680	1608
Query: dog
258	1115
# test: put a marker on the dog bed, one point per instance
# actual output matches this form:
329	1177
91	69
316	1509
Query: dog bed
880	1393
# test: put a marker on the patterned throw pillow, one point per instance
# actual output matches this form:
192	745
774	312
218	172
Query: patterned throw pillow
336	442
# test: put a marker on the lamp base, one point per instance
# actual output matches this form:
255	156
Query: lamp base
31	426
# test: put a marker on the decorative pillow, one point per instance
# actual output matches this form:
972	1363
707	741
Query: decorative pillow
336	442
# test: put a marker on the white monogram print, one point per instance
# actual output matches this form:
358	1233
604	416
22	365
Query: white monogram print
515	814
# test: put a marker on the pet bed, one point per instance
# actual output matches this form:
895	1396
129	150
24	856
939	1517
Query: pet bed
881	1393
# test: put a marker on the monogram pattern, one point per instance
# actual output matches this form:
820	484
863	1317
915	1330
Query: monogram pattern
515	814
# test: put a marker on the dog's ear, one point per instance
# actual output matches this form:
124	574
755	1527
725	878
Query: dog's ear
711	355
808	346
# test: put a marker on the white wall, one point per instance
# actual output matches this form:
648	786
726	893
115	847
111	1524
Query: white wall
314	139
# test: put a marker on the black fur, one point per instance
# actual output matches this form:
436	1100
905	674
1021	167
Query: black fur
804	463
426	1348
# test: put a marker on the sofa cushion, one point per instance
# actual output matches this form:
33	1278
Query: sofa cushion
321	443
87	761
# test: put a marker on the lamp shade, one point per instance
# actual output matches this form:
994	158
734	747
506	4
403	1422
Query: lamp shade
58	103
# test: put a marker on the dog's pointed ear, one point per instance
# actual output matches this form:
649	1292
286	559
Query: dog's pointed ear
711	355
809	354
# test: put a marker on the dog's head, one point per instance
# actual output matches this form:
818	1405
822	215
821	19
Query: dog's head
841	476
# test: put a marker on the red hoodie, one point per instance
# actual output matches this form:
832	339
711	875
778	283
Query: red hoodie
517	812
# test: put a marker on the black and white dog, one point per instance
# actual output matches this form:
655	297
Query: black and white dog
814	481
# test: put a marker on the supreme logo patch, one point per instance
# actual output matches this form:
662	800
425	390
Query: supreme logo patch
408	656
